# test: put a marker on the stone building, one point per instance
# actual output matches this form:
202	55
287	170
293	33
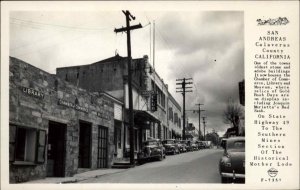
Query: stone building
110	75
55	127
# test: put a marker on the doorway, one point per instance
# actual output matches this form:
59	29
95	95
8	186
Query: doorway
56	149
84	145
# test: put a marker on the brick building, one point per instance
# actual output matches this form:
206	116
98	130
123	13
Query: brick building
55	127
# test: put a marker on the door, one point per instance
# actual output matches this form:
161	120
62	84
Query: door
118	138
56	150
84	144
102	147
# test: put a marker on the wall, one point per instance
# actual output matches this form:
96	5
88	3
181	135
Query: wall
31	111
106	75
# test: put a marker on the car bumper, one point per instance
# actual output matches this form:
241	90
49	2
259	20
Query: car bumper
233	175
170	151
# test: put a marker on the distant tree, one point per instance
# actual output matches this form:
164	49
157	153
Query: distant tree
213	137
232	114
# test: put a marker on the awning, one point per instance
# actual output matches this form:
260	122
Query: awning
142	119
144	116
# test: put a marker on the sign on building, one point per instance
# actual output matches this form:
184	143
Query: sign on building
154	102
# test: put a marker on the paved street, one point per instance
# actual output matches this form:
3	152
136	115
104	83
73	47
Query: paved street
192	167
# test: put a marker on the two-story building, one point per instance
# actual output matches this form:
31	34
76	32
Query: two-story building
110	76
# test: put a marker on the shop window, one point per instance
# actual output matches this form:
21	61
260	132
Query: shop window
27	144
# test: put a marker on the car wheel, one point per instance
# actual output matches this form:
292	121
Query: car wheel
161	157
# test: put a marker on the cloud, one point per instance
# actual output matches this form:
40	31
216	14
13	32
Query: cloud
187	45
211	51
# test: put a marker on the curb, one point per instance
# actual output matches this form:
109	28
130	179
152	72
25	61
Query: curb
86	178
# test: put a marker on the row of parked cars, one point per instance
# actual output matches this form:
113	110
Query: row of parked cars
157	149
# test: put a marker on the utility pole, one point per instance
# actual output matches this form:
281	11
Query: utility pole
184	82
127	29
204	122
199	112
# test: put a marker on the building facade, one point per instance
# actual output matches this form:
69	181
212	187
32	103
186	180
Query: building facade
56	128
110	75
190	132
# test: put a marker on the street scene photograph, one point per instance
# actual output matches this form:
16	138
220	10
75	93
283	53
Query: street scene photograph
126	96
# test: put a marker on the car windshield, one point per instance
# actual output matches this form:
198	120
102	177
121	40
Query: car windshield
236	146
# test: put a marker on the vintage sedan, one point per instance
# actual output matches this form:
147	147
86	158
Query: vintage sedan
188	144
171	147
201	145
194	146
152	149
232	163
181	145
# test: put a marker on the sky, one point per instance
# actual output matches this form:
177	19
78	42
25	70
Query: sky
207	46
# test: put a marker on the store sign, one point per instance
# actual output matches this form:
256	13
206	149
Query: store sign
33	92
72	105
147	92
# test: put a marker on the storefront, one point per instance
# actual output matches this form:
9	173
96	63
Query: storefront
55	127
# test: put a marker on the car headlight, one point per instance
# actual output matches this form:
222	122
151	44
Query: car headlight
226	162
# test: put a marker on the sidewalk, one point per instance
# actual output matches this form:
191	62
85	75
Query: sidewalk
78	177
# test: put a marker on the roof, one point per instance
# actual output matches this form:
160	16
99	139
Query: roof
235	139
111	59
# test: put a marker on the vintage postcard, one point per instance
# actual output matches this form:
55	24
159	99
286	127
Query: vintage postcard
150	94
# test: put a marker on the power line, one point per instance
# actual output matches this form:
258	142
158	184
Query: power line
56	25
183	85
31	43
40	49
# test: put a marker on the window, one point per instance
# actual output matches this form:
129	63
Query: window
179	122
163	100
41	146
26	144
171	114
175	118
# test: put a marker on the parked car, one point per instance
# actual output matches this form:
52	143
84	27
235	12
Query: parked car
152	149
232	163
194	146
201	145
181	146
170	146
223	143
188	145
208	144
